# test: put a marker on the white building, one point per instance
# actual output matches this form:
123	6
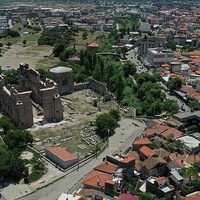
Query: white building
61	157
158	56
191	144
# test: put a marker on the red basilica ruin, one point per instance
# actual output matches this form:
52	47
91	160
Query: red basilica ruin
18	105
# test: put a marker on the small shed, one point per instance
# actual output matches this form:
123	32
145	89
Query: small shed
61	157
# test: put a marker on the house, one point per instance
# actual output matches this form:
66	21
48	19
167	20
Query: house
145	152
139	142
176	179
93	46
159	186
175	66
191	144
171	133
162	153
155	130
153	166
127	196
128	164
96	180
61	157
106	167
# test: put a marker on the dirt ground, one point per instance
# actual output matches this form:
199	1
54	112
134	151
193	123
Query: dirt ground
18	54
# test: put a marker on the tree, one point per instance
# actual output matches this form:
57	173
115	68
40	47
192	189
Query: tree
17	139
171	45
190	172
6	124
174	83
115	114
105	124
119	86
58	49
129	69
24	42
84	35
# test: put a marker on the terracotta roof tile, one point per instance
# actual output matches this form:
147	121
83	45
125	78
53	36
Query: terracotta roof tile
142	141
161	180
61	153
93	44
127	159
96	179
171	131
193	196
106	167
147	151
157	129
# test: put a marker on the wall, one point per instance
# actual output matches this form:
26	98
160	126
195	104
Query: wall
59	162
43	93
17	105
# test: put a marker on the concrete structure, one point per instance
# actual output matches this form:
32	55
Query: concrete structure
63	76
175	66
17	105
198	84
61	157
145	27
43	93
159	56
186	117
191	144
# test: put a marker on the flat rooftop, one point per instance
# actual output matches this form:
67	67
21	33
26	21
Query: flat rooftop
188	114
189	141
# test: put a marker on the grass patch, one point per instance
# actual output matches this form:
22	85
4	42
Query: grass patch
81	44
46	63
34	176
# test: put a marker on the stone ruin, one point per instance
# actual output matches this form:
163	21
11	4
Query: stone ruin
18	105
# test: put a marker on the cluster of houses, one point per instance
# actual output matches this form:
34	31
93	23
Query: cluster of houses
159	169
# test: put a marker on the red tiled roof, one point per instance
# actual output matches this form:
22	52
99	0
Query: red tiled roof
193	196
106	167
161	180
61	153
127	159
191	159
191	92
179	160
111	182
147	151
142	141
127	196
171	131
96	179
157	129
93	44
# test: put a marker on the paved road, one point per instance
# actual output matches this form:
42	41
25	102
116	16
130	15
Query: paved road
125	134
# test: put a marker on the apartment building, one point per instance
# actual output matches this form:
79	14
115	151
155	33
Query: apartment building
159	56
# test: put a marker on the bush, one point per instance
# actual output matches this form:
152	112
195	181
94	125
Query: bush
34	176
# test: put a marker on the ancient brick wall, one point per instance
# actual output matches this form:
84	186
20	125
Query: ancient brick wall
17	105
44	93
